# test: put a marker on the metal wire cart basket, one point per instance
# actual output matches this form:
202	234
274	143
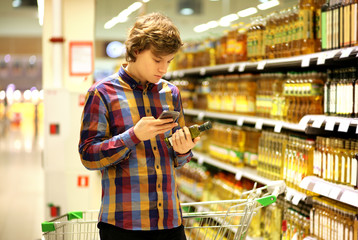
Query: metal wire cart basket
227	220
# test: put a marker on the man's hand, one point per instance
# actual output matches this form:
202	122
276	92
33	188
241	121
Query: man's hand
182	141
149	127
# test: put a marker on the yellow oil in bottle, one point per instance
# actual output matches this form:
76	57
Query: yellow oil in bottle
306	39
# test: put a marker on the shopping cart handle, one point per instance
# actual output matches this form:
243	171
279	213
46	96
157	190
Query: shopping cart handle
276	187
267	200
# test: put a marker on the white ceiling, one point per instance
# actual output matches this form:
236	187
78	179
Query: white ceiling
24	22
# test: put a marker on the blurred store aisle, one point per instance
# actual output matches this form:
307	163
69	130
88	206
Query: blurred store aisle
21	181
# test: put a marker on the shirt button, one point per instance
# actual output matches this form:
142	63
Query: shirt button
155	148
160	204
157	166
144	93
147	110
158	185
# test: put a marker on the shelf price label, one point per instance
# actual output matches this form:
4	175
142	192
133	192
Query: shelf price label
201	116
278	127
344	125
332	54
261	65
240	121
330	123
242	67
335	193
304	121
259	124
318	121
238	175
321	58
181	74
346	52
200	160
305	61
231	68
202	71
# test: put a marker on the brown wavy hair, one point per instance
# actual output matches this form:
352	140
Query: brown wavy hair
152	31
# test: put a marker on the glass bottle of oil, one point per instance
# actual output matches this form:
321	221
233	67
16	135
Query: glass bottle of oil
316	94
330	159
354	170
241	41
338	161
324	27
269	36
347	155
231	44
344	160
318	27
306	12
325	150
296	31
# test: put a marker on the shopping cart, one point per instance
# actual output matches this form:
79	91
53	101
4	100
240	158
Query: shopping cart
212	220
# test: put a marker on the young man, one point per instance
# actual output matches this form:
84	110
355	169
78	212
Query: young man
122	137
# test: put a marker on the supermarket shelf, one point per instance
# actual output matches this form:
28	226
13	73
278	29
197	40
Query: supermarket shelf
334	191
239	172
326	58
309	124
241	119
291	194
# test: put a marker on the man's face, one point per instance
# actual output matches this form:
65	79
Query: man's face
149	67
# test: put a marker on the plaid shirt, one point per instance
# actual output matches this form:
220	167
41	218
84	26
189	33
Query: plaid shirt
139	190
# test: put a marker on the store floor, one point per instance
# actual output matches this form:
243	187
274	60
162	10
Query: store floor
21	184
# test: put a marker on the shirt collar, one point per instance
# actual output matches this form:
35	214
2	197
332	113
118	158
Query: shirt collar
125	75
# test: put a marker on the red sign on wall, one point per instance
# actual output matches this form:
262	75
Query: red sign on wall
82	181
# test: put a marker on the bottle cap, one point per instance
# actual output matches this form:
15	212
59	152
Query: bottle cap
205	126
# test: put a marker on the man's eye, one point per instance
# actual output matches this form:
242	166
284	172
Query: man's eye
157	61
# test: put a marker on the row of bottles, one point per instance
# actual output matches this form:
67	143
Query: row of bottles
339	24
303	95
331	220
336	160
285	157
295	222
192	178
286	97
270	95
341	93
288	32
234	145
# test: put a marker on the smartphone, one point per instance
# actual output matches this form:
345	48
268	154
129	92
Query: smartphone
169	114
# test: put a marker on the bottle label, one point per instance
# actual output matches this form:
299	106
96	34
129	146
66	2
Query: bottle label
343	170
336	168
354	172
324	166
348	171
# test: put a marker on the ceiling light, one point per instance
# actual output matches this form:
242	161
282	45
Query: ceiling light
212	24
226	20
145	1
201	28
40	11
247	12
186	11
123	16
135	6
230	18
267	5
16	3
